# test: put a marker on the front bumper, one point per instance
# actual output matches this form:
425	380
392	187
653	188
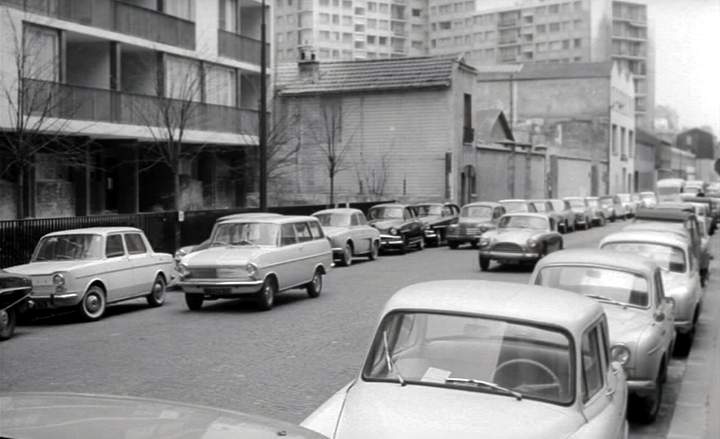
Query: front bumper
641	387
213	288
391	241
683	326
53	301
509	256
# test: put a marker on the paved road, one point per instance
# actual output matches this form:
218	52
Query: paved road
281	363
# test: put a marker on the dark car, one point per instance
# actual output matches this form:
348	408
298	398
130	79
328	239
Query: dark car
437	217
399	227
547	207
474	220
14	293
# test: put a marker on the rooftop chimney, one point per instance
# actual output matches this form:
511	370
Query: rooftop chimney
308	64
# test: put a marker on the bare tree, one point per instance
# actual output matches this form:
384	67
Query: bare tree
372	175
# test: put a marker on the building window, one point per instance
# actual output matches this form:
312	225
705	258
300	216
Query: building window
623	141
444	25
578	43
614	139
554	9
554	27
467	119
220	85
417	12
43	60
631	143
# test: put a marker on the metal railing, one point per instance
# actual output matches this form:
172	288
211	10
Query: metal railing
240	47
154	25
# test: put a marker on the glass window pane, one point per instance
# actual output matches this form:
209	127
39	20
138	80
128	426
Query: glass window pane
220	86
135	244
591	363
288	234
114	246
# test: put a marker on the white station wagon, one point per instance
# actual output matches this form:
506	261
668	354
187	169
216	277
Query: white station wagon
93	267
478	359
259	257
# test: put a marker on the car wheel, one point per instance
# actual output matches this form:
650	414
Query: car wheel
374	251
157	293
484	263
646	408
194	301
438	239
266	296
347	255
684	342
92	306
453	245
314	288
8	318
421	244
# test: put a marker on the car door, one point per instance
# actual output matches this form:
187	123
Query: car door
602	385
141	265
666	326
309	252
289	267
413	224
370	233
116	273
359	235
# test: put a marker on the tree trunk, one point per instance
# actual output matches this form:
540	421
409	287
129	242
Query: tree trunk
20	193
332	190
177	198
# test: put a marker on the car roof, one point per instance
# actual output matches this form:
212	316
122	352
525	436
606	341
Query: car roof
605	258
95	230
505	300
248	215
513	200
646	236
531	214
280	219
345	210
539	200
657	226
592	198
483	203
390	205
666	214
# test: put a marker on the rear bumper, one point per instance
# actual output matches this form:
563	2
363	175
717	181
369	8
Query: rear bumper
220	289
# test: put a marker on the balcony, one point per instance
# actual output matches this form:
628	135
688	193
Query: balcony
468	135
99	105
240	47
508	22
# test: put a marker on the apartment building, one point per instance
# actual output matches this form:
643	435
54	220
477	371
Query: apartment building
350	29
107	90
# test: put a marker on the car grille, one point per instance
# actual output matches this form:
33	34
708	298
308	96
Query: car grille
507	247
203	273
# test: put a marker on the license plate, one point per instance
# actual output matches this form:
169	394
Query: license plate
217	290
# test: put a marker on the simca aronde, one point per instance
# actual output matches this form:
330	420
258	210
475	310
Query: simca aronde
437	218
93	267
475	219
478	359
518	206
630	289
681	280
349	234
519	237
399	227
563	207
582	212
14	293
258	257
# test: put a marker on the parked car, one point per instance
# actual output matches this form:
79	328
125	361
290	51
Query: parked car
437	217
518	206
695	187
563	207
474	220
627	202
630	289
399	228
519	237
669	189
681	280
91	268
36	415
713	209
546	207
580	208
598	214
349	233
648	199
469	358
613	207
14	293
258	257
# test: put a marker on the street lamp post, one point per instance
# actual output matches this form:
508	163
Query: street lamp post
262	137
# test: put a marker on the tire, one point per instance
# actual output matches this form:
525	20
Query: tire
420	244
646	408
314	288
8	319
484	263
157	293
347	255
93	304
684	342
194	301
453	245
265	298
374	251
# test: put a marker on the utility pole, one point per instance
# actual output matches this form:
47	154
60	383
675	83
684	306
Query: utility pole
263	111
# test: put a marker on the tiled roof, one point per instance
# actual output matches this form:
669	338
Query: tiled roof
371	75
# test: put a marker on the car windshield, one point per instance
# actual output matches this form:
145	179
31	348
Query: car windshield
667	257
476	212
606	202
624	197
523	222
605	284
68	247
558	205
245	233
386	213
592	203
428	209
333	219
669	190
576	202
539	206
515	206
472	353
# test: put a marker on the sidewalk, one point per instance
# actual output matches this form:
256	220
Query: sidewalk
697	410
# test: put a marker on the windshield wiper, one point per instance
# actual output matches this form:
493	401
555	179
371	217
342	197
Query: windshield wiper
607	299
486	384
388	359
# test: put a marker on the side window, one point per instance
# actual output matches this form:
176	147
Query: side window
114	246
499	211
135	244
592	379
287	234
407	214
605	345
302	232
361	219
316	230
354	220
552	223
659	288
549	207
567	205
531	207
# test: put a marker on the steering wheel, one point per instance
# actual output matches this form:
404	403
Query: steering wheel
553	385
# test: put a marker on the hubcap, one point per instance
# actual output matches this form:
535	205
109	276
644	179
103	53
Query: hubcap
4	319
92	303
348	254
158	289
317	282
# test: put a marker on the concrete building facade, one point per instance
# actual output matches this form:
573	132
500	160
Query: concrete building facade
646	147
702	144
99	75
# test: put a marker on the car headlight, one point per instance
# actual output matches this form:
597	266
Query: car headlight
532	243
179	254
183	270
59	281
453	226
484	242
252	270
620	353
393	231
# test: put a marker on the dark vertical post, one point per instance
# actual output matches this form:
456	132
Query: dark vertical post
263	112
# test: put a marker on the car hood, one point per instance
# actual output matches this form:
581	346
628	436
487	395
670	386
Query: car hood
383	410
226	255
626	324
60	416
385	224
512	235
50	267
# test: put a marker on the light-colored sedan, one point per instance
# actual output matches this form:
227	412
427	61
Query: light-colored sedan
681	279
349	233
257	257
630	289
469	358
93	267
583	213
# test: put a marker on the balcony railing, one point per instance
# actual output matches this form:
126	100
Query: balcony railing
154	25
100	105
468	135
240	47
